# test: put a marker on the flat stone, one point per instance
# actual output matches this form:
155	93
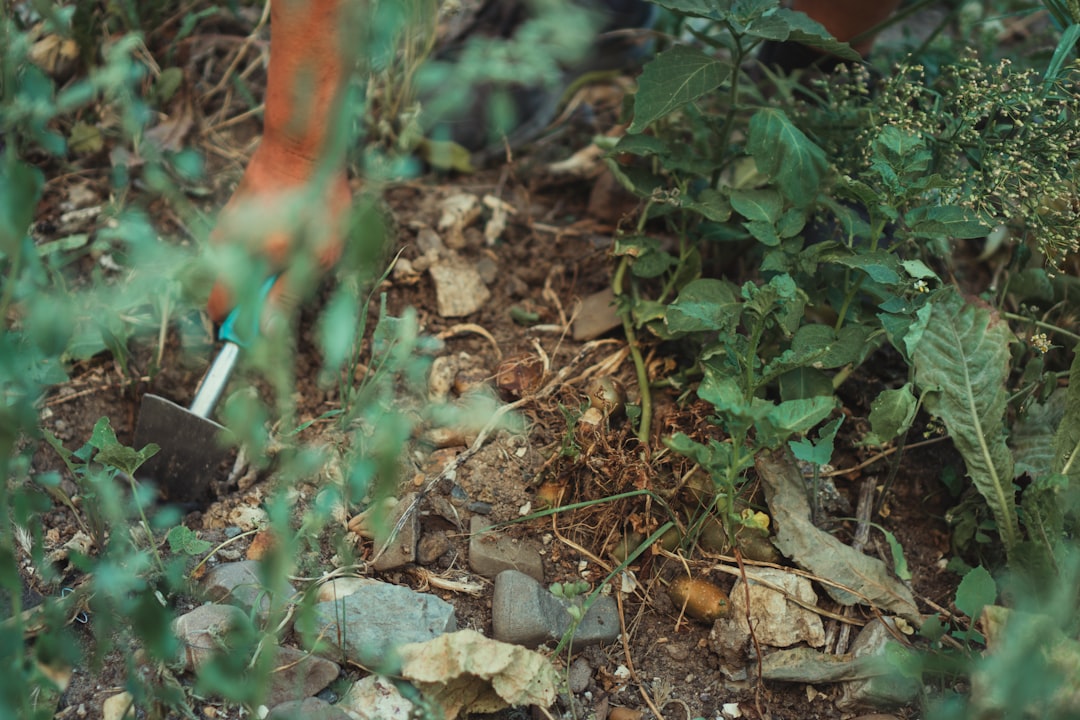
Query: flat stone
375	618
778	622
490	553
459	289
399	549
308	709
298	675
597	316
239	583
376	698
523	612
883	691
204	632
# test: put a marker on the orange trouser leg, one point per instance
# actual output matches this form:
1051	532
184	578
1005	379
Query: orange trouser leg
846	19
309	67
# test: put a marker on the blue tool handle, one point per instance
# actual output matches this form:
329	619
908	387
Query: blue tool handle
251	317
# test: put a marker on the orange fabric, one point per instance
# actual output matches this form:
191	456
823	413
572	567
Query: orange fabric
846	19
309	66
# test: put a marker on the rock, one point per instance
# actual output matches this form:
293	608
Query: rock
886	690
778	622
308	709
432	546
298	675
339	588
238	583
523	612
376	698
579	676
206	631
368	624
400	548
459	289
118	707
597	316
490	553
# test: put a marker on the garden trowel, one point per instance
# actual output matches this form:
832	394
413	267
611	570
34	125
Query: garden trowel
191	443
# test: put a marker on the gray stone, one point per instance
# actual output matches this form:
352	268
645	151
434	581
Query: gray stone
885	690
376	698
400	548
307	709
523	612
206	631
298	675
368	624
239	583
596	316
579	675
490	553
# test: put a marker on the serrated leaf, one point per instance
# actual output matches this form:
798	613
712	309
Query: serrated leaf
807	31
961	367
672	79
946	221
784	153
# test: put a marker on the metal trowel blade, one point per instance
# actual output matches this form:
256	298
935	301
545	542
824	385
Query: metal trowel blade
190	453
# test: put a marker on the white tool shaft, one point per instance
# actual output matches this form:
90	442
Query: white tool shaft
213	384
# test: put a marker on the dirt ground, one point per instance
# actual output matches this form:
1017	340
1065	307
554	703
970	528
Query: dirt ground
553	253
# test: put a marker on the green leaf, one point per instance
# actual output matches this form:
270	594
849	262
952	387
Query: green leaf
337	327
961	367
113	453
183	540
946	221
819	453
706	304
807	31
798	416
672	79
697	8
784	153
760	205
1032	436
891	414
22	185
976	591
1067	438
880	266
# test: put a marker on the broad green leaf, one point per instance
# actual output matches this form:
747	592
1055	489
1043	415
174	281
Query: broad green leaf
799	416
698	8
1032	436
640	145
706	304
961	367
881	266
184	540
712	204
807	31
946	221
112	453
976	591
1067	438
22	185
804	382
763	232
891	413
918	270
672	79
761	205
817	453
784	153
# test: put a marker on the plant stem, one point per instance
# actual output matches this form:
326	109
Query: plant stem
645	421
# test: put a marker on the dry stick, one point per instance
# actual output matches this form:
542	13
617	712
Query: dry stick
862	535
630	661
882	455
248	41
753	634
